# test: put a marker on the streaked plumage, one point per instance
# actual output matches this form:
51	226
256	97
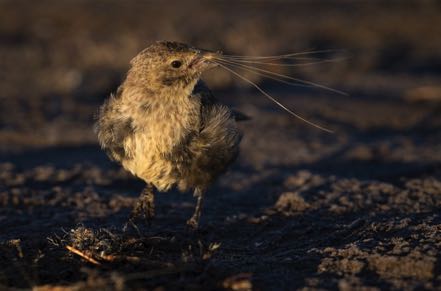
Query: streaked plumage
164	125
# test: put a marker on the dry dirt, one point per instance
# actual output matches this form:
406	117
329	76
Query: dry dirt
359	209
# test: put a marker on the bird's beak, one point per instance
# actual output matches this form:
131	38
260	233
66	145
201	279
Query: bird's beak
204	60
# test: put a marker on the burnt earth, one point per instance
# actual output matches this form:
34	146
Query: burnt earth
359	209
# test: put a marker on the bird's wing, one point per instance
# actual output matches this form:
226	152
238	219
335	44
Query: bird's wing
208	100
113	130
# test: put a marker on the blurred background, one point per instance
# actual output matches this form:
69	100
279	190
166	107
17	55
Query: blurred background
352	210
60	59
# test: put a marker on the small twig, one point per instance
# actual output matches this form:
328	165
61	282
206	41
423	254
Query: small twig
83	255
110	258
113	258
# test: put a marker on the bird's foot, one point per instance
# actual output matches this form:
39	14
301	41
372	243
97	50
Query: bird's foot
145	207
193	224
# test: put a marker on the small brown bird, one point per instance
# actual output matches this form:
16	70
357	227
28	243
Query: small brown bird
164	126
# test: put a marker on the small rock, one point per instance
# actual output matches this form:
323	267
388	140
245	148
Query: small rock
291	202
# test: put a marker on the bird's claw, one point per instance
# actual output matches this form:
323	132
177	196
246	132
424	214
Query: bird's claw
144	207
192	224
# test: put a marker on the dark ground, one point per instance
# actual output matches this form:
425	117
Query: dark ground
302	209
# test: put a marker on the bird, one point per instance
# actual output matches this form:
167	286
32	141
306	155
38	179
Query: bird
164	125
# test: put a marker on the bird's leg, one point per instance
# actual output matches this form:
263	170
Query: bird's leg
145	206
193	222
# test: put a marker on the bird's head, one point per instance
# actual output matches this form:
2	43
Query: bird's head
170	65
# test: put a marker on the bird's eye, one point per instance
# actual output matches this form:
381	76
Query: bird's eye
176	64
